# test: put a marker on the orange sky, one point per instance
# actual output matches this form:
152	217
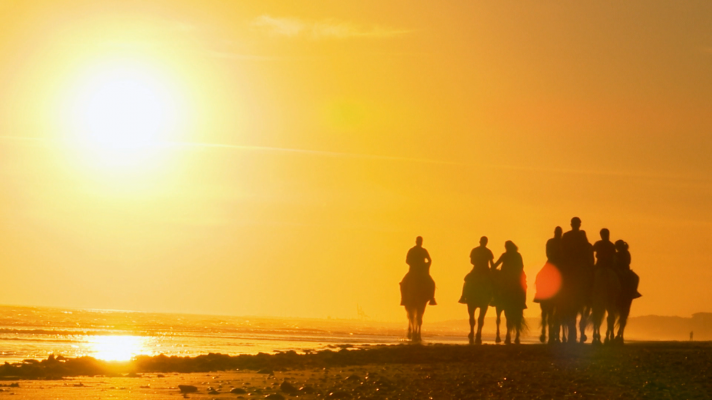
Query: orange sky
303	146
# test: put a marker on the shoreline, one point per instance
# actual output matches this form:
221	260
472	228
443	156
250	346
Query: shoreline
636	370
343	355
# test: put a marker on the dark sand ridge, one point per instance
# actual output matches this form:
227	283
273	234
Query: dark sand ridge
640	370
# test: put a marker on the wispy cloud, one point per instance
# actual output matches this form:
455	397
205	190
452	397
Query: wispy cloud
238	56
663	177
318	30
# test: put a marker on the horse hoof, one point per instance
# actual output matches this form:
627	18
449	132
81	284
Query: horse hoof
542	338
516	341
583	338
498	340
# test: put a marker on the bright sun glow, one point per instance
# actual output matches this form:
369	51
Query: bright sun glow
116	348
120	114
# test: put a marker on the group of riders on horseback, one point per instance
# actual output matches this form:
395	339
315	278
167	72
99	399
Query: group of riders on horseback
578	281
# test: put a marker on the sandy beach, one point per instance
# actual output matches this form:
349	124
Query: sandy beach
663	370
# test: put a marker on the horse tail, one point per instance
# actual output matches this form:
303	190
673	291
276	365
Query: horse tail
522	325
516	316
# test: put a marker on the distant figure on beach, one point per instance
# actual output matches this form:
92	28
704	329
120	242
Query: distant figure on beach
417	288
548	284
510	291
477	290
690	335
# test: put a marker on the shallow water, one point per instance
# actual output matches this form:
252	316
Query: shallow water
37	332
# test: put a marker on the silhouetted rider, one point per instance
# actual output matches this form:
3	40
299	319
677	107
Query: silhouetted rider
481	257
482	260
419	262
605	250
554	251
575	247
547	278
629	279
512	273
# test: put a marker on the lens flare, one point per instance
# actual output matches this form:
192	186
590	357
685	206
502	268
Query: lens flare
548	282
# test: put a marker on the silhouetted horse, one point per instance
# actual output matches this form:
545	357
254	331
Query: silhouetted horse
629	286
575	301
477	293
606	299
507	298
629	292
416	292
548	286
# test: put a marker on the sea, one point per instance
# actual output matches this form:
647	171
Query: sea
113	335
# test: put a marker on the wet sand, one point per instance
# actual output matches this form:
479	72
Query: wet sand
667	370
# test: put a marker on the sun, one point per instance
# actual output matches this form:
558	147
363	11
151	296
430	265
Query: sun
120	113
117	348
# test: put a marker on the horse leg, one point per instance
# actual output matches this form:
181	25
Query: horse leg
554	326
623	319
420	313
499	319
510	326
517	316
585	314
597	317
471	312
544	322
564	331
508	337
572	327
611	323
416	328
409	314
480	324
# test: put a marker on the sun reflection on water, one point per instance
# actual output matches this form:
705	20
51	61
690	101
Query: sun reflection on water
117	348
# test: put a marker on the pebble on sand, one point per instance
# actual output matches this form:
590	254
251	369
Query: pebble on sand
187	388
288	388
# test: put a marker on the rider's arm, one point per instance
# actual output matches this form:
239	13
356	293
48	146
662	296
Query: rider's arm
499	261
